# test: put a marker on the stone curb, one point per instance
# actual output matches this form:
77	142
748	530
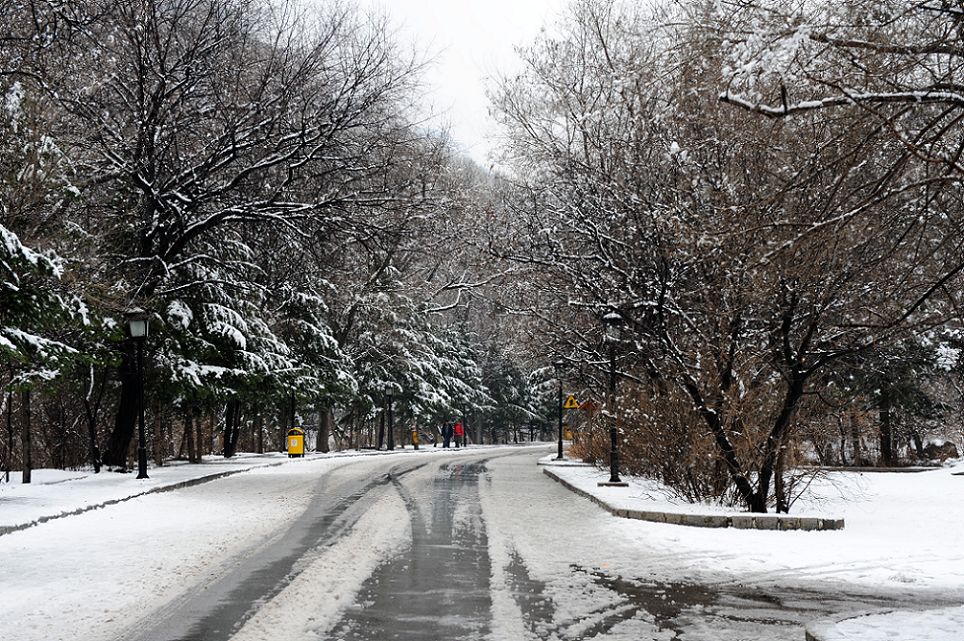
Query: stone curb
565	463
7	529
737	521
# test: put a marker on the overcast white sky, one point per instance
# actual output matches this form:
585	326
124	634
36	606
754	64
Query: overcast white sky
472	41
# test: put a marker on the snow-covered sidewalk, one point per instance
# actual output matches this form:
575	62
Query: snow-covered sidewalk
55	494
58	493
943	624
903	538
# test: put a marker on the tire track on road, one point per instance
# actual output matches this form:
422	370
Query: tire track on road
217	611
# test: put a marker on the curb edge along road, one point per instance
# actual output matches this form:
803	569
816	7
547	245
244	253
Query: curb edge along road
823	629
739	521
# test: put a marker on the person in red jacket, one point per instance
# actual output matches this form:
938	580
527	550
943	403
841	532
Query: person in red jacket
459	433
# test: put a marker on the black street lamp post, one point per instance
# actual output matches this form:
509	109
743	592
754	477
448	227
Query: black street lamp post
558	365
613	322
138	325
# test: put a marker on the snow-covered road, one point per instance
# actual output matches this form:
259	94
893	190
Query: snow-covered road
462	545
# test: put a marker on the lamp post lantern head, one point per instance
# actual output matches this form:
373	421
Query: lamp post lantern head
614	325
138	323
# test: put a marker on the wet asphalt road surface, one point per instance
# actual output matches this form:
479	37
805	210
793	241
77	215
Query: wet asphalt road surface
440	589
220	609
439	584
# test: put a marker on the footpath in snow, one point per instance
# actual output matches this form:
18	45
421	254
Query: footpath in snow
903	535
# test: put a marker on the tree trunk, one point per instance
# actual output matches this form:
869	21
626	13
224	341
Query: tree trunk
91	411
855	438
823	458
886	430
119	443
282	432
918	443
324	429
160	439
213	434
232	427
757	501
199	438
392	427
25	434
8	459
258	425
843	440
189	435
229	410
727	453
779	488
381	431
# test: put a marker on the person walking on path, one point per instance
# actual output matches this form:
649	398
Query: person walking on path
459	434
447	432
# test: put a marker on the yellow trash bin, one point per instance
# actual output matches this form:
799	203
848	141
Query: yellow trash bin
296	442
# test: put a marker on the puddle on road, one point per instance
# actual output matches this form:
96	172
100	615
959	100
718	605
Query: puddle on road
696	611
538	610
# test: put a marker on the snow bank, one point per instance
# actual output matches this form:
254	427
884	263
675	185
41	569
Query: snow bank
903	539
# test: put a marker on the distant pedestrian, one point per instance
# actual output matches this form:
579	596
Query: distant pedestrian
447	432
459	433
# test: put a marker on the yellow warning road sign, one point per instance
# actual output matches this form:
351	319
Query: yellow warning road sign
571	403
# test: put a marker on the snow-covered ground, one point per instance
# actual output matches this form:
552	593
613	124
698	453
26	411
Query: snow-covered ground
54	493
943	624
904	535
903	538
98	571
